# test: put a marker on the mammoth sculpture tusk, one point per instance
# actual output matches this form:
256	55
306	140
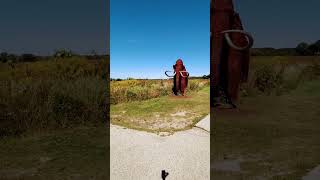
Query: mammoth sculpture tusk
231	44
181	73
174	73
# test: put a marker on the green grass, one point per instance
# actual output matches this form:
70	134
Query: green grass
159	114
274	135
79	153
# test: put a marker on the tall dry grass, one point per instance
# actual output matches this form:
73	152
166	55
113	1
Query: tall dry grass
279	75
139	90
59	93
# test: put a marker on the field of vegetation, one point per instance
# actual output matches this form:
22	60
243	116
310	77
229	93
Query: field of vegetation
52	94
280	74
151	106
140	90
274	134
53	118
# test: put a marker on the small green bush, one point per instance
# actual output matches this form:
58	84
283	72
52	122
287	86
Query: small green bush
267	78
310	72
67	109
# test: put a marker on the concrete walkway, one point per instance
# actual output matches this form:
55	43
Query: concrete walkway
137	155
313	175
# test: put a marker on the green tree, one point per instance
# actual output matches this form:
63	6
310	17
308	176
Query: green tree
4	57
28	58
315	48
302	49
63	53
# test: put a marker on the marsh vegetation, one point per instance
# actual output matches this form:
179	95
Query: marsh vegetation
274	134
53	117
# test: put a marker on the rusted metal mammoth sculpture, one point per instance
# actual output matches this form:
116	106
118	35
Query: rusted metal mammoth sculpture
180	78
229	46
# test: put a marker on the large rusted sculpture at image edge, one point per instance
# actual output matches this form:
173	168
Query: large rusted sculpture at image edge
229	53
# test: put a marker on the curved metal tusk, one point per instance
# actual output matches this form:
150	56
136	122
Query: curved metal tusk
170	71
184	72
248	36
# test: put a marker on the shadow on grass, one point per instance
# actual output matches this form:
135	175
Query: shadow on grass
276	137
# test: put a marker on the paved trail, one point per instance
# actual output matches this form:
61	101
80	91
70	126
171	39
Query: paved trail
137	155
314	174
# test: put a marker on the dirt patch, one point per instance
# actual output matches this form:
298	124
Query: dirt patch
115	116
18	173
171	123
163	122
45	159
180	97
227	165
243	112
181	113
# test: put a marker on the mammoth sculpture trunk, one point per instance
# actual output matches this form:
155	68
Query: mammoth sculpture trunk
229	51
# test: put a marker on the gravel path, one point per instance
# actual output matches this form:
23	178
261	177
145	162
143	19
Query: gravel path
137	155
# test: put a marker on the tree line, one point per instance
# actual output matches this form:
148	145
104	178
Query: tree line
60	53
302	49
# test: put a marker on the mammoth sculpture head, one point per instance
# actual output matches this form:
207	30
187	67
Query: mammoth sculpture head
179	68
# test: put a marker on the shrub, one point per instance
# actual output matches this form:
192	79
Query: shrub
66	109
268	78
28	58
194	85
137	90
4	57
310	72
279	76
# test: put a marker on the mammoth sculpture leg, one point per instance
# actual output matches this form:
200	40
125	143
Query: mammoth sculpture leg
184	83
174	88
220	21
238	60
176	84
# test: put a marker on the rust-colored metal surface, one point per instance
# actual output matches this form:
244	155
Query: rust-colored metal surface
180	78
229	56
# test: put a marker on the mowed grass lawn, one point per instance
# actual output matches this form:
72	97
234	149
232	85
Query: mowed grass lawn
79	153
164	114
270	136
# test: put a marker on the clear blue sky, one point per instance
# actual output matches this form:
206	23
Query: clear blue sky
148	36
41	26
281	23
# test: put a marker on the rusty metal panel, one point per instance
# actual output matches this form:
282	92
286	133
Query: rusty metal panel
229	54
